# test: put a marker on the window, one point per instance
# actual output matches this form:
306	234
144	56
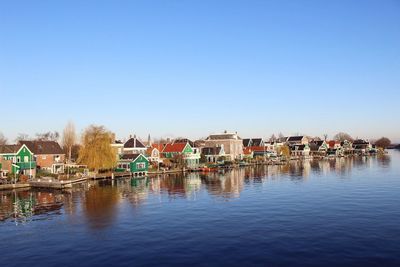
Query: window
26	159
43	157
140	165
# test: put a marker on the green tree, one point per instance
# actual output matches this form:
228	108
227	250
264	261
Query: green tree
96	151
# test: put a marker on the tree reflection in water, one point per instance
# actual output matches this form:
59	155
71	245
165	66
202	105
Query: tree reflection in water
98	202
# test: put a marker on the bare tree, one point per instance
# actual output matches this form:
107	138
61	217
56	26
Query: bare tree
48	136
69	139
3	140
383	142
272	138
343	137
325	137
22	137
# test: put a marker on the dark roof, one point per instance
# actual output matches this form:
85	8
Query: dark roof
317	142
257	142
246	142
134	143
43	147
5	149
211	150
298	147
130	156
282	139
360	142
295	138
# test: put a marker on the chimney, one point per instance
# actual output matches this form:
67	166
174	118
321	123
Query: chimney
134	140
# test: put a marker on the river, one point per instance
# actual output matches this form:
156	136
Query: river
339	212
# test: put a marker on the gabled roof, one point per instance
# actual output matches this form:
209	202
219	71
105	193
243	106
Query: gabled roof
9	149
132	157
257	141
295	138
360	142
43	147
246	142
184	141
134	143
174	148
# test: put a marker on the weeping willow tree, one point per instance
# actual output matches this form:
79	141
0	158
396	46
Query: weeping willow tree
96	151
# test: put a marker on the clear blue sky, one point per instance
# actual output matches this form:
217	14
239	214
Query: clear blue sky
189	68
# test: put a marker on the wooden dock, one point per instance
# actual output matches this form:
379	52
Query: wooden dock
52	183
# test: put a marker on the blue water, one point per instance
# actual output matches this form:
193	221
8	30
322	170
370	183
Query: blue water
343	212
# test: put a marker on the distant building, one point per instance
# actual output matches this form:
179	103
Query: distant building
300	151
255	142
153	153
134	146
231	142
297	140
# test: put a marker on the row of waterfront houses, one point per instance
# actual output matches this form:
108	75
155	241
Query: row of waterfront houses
136	156
26	157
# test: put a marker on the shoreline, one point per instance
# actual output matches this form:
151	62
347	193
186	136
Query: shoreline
67	184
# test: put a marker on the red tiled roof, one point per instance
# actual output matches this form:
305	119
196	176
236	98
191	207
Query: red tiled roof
160	147
257	148
174	148
331	143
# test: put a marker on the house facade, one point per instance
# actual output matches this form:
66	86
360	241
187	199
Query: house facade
49	155
231	142
300	151
297	140
318	148
17	159
137	164
190	156
213	154
153	153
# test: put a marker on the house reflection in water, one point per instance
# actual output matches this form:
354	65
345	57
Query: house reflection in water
99	202
22	205
226	185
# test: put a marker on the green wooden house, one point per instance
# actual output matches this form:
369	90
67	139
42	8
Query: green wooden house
137	164
21	158
191	156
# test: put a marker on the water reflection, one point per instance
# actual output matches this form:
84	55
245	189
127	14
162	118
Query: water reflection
21	206
99	202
